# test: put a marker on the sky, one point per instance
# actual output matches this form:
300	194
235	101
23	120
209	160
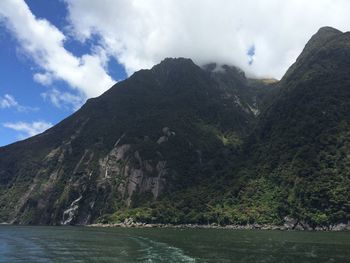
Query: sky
56	54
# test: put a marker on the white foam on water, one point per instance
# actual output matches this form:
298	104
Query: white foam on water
156	252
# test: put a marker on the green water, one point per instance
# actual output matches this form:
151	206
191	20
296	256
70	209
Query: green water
81	244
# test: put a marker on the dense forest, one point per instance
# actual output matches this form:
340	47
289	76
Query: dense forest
181	143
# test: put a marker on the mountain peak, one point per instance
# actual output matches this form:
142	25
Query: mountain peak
328	30
175	62
317	42
154	144
323	35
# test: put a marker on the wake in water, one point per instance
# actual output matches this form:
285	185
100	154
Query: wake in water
24	244
156	252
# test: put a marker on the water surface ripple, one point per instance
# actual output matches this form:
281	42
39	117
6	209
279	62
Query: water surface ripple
82	244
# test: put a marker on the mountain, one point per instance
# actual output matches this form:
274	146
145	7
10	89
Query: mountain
185	144
146	136
300	148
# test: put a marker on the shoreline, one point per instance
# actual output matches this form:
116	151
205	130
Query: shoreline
332	228
285	227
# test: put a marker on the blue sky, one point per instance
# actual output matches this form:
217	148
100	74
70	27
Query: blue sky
55	54
24	109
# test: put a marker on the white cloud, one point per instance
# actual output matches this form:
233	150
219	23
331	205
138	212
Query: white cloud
63	99
8	101
140	33
44	43
44	79
28	129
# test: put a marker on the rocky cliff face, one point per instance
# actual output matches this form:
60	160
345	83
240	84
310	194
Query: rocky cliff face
136	142
184	144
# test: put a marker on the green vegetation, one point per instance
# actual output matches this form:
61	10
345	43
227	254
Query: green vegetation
200	146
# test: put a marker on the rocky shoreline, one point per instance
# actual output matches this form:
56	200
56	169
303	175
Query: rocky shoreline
290	224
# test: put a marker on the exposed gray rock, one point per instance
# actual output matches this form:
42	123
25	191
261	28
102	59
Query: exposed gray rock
110	164
340	227
70	213
290	223
162	139
131	173
166	134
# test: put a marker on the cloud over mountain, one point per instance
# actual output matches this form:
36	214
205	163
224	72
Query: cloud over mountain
263	37
141	33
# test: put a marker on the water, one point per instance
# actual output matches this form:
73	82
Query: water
82	244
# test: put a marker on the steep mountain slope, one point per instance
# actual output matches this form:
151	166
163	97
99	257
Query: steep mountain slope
301	148
294	167
184	144
147	136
